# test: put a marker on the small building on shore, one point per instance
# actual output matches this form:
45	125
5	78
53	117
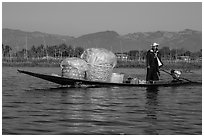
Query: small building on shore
122	56
184	58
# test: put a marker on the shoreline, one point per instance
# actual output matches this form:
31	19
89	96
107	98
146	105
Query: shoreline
185	66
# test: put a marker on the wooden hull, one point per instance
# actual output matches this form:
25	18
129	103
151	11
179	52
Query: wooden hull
77	82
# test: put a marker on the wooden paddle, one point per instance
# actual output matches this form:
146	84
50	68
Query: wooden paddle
177	78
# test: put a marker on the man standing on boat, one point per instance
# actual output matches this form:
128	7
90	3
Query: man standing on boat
153	62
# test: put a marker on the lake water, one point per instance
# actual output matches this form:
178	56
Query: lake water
34	106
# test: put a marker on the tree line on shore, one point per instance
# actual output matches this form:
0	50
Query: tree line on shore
63	50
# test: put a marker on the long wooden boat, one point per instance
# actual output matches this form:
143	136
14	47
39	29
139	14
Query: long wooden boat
77	82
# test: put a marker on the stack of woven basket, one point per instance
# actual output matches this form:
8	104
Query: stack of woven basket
95	64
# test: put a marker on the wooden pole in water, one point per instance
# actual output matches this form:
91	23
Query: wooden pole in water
26	52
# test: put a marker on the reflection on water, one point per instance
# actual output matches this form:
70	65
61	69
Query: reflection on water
151	110
33	106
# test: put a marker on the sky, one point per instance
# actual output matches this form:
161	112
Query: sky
80	18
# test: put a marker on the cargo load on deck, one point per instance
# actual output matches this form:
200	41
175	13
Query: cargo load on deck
117	78
74	68
100	63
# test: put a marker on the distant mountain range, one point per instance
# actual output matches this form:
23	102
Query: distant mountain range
187	39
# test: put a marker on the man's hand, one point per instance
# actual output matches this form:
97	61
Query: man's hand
148	66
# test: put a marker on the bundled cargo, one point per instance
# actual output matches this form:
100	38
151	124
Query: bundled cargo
74	68
99	56
100	62
117	78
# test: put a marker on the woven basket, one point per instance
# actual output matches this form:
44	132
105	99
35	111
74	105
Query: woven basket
71	72
100	63
99	73
74	68
99	56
